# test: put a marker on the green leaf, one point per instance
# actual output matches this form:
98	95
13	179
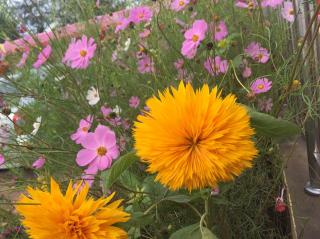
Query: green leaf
121	165
207	234
189	232
179	198
269	126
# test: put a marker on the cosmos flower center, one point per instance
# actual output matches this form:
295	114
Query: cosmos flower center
83	53
73	227
85	129
260	56
141	15
102	151
195	38
218	29
291	12
250	5
181	3
260	86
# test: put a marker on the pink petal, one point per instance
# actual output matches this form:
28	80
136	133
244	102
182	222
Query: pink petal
85	157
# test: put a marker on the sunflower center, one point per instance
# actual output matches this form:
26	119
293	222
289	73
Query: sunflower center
83	53
73	226
260	86
101	151
195	38
181	3
85	129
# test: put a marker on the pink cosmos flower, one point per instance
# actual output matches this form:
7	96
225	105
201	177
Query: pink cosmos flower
45	37
144	34
140	14
121	23
126	124
271	3
2	160
250	4
145	65
39	163
261	85
220	31
178	64
80	52
265	104
216	66
134	102
100	149
287	11
106	111
193	38
43	57
110	116
24	57
257	52
178	5
247	72
82	131
89	175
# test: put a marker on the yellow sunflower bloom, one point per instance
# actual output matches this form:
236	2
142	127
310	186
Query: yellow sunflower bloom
194	139
71	216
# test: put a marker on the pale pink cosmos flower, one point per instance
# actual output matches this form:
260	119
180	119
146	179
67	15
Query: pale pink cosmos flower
145	65
99	149
216	66
144	34
257	52
178	64
24	57
82	131
106	111
39	163
45	37
220	31
178	5
287	11
121	23
126	124
247	72
80	52
2	160
261	85
140	14
250	4
43	57
265	104
271	3
193	38
134	102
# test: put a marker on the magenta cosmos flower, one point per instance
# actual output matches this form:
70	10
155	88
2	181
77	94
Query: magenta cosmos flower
121	22
216	66
193	38
261	85
220	31
140	14
82	131
250	4
39	163
178	5
80	52
134	102
257	52
100	149
145	65
43	57
2	160
271	3
287	11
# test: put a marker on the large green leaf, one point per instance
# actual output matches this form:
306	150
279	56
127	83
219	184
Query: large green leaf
269	126
207	234
189	232
122	164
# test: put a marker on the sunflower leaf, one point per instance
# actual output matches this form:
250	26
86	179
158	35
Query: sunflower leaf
189	232
269	126
207	234
180	198
118	167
